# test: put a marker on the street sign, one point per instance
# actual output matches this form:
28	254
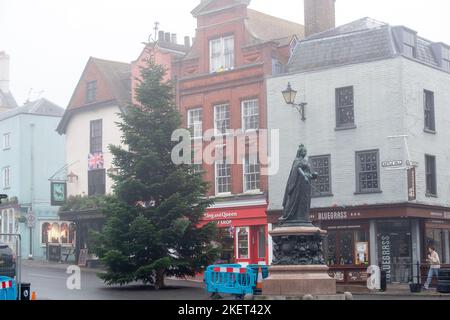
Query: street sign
412	189
31	220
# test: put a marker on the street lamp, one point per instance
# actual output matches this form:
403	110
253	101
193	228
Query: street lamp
113	171
289	96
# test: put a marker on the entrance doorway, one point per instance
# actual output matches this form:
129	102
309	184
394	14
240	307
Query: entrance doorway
394	248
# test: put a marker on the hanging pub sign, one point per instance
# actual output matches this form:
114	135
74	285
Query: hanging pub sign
412	188
96	161
58	192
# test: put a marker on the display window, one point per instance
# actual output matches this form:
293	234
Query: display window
243	243
348	247
58	233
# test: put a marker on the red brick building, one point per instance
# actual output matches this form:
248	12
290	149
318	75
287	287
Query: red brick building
221	86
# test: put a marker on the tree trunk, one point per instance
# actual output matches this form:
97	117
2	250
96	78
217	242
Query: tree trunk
159	279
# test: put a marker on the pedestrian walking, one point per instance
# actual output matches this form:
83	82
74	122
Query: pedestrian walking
435	265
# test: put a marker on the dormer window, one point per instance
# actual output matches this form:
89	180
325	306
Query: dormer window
221	54
446	59
409	44
91	91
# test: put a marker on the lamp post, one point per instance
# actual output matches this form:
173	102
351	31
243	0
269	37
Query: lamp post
289	96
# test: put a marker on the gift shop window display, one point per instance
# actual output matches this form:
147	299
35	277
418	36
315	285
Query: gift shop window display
243	245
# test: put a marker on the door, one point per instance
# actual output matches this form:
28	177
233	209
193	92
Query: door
395	250
259	241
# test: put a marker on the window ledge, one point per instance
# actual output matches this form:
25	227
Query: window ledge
368	192
429	195
252	192
430	131
7	148
224	195
326	195
350	127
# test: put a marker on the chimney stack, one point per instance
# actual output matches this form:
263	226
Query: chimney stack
4	72
167	37
320	15
174	38
187	42
161	36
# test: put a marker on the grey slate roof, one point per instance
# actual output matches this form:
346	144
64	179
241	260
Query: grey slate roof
360	41
42	107
7	100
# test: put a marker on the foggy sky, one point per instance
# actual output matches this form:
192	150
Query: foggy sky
50	41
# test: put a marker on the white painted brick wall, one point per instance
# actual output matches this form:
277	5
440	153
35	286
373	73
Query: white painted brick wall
388	101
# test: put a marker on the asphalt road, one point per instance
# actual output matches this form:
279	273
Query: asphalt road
49	283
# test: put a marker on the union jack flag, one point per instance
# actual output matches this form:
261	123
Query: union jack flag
95	161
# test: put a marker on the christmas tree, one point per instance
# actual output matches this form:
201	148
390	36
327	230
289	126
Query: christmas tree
153	221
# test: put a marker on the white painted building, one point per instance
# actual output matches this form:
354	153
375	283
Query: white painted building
90	127
368	84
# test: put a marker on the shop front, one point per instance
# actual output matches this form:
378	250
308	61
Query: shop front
394	237
243	233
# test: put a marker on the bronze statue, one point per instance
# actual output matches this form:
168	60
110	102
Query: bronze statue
297	198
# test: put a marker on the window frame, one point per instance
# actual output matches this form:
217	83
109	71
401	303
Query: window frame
6	177
92	174
7	141
192	125
339	124
245	175
218	133
410	42
91	91
244	117
216	178
96	141
247	229
330	193
222	57
429	110
433	176
358	172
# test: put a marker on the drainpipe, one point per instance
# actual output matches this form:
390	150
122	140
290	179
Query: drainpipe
32	126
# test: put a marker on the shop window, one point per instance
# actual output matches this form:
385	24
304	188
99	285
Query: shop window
348	247
225	239
262	242
435	238
242	235
58	233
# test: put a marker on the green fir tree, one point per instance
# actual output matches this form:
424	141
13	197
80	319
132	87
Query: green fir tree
153	221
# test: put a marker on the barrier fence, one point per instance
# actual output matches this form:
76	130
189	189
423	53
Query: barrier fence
10	266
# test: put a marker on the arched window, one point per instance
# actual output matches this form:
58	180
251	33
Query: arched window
54	234
72	231
64	233
45	230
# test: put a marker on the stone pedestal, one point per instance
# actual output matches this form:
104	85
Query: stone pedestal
299	266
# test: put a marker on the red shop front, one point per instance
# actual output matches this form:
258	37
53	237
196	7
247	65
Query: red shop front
243	234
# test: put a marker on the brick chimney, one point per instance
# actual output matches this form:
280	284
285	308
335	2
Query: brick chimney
4	72
320	15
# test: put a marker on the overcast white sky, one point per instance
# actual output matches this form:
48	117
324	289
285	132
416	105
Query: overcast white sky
50	41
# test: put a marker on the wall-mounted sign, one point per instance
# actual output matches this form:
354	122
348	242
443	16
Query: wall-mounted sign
58	191
412	188
392	163
96	161
338	215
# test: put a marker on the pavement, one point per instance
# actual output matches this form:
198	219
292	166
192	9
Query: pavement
49	281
